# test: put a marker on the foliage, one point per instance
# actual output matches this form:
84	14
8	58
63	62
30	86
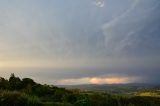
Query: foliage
26	92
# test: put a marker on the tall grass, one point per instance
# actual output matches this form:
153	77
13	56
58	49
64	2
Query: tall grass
14	98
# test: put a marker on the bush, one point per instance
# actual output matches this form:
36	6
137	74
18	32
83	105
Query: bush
27	100
8	98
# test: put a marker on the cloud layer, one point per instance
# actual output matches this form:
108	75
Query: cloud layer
81	41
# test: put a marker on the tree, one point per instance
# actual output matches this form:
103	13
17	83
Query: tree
3	83
27	82
14	82
12	77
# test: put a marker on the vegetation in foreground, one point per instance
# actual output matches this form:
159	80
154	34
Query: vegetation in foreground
26	92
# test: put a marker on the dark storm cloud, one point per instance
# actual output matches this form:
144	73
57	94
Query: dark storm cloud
86	38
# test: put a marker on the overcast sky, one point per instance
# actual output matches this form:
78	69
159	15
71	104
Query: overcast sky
81	41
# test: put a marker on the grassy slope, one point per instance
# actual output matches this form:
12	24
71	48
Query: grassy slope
25	92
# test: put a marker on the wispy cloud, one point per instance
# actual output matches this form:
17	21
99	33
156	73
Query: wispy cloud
99	3
116	19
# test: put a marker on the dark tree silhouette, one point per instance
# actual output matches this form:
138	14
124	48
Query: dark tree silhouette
15	82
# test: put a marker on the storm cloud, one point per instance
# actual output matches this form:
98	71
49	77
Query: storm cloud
81	41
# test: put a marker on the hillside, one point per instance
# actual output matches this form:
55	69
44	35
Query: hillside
26	92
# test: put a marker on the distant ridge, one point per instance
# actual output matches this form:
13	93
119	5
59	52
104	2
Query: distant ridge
114	87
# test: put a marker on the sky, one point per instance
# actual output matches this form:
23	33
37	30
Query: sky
65	42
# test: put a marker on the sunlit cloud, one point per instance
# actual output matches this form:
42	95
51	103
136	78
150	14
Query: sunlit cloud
98	80
113	80
73	81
